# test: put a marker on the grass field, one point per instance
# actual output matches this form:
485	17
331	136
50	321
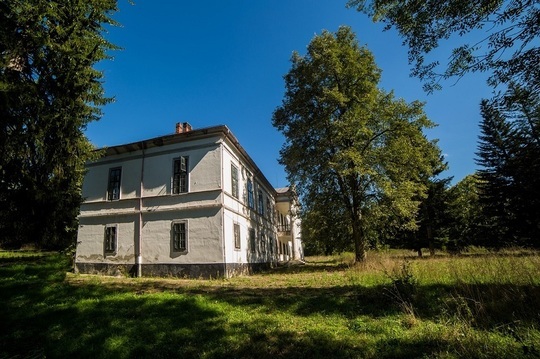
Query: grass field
481	305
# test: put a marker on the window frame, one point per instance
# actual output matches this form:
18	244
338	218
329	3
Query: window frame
234	181
250	194
109	249
180	177
174	247
114	183
237	237
260	202
252	240
263	244
269	209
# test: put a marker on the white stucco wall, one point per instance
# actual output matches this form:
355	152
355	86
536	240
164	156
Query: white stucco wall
90	246
204	167
204	236
236	210
96	179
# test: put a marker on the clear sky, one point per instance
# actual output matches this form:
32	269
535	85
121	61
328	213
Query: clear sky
222	62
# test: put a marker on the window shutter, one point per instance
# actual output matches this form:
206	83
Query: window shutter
183	164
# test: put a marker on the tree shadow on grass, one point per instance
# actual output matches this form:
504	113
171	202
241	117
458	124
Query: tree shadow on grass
306	268
44	315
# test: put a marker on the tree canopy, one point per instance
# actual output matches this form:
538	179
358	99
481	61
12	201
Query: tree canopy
508	31
348	140
49	92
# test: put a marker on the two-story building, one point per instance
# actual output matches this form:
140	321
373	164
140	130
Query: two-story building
189	204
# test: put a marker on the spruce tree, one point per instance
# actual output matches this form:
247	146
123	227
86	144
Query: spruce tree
509	154
49	92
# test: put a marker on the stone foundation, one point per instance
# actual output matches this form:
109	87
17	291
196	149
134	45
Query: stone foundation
204	271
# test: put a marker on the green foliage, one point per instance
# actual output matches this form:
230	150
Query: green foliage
326	227
510	49
49	92
433	217
465	211
350	142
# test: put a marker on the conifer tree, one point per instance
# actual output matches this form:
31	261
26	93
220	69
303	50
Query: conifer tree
509	154
49	91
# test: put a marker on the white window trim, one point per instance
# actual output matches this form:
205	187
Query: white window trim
187	235
188	173
252	240
239	247
109	189
115	250
234	169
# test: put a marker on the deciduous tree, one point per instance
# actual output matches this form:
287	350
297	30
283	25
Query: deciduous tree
508	32
346	138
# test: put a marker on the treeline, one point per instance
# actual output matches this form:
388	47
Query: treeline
498	206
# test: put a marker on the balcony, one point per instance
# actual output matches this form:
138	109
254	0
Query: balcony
284	229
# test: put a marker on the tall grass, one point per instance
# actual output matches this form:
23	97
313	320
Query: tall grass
482	305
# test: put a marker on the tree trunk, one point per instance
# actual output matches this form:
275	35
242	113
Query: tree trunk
359	242
430	241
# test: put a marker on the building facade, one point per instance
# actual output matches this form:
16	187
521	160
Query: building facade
189	204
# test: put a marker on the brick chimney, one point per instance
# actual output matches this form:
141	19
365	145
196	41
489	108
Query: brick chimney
183	127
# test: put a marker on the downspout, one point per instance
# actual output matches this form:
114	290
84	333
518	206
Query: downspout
139	239
222	210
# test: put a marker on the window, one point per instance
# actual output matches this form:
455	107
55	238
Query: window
113	190
263	244
268	209
261	202
271	245
252	243
251	200
180	175
110	239
234	181
179	236
236	236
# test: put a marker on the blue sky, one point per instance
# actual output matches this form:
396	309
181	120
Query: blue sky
222	62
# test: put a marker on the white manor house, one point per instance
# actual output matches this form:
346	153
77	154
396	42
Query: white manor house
189	204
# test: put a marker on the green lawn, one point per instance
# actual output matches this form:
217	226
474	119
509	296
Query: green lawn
476	306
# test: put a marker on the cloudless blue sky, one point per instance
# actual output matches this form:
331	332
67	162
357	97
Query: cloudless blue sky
222	62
